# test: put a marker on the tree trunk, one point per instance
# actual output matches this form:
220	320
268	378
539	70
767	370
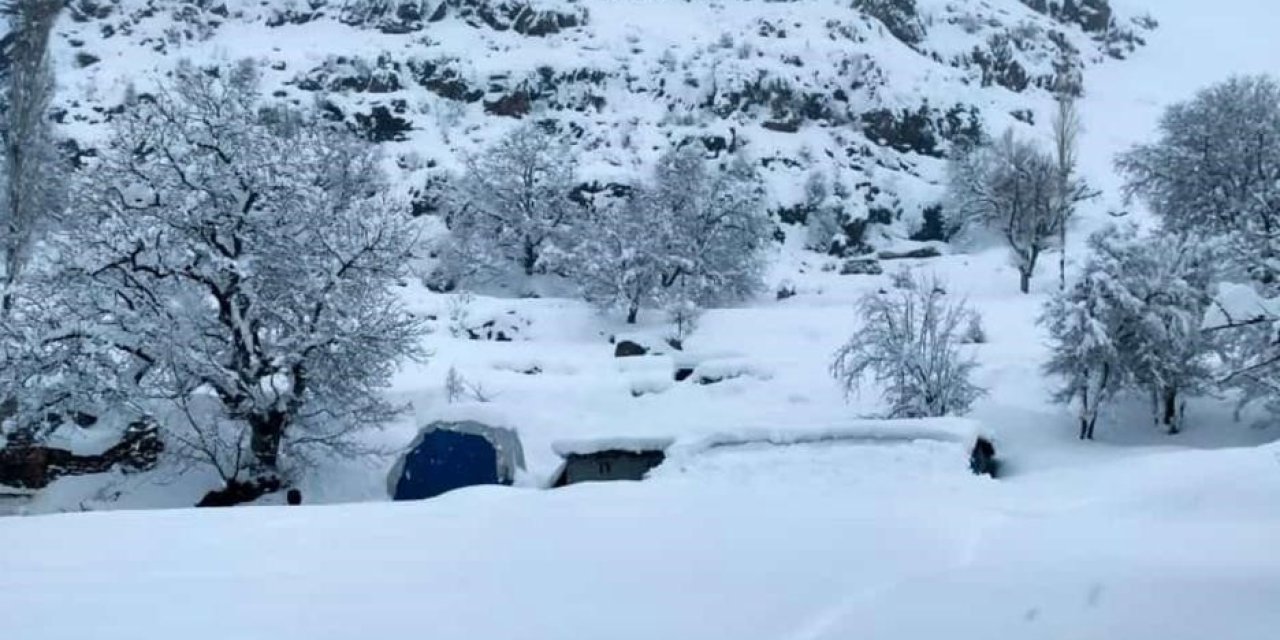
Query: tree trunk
632	312
267	432
1062	259
1024	280
530	258
1169	413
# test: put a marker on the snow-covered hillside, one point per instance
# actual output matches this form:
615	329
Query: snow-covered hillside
867	96
783	534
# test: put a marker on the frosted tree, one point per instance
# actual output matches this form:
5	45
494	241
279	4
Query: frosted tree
31	197
240	257
1215	170
32	189
909	342
512	205
621	257
695	236
1011	186
1134	321
1159	290
719	227
1082	353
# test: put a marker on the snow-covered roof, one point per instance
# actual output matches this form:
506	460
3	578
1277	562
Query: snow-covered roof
588	446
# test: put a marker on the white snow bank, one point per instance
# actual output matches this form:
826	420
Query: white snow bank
1108	551
728	369
957	430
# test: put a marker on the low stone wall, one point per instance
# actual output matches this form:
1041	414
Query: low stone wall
35	466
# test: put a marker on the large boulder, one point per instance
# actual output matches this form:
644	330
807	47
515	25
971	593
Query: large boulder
628	348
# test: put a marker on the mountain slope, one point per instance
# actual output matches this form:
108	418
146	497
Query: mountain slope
867	96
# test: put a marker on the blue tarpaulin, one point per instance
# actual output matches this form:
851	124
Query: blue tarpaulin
445	460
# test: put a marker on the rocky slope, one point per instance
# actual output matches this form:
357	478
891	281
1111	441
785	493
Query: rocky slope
848	107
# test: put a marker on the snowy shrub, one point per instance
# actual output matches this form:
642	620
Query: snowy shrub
975	333
459	310
243	269
454	386
909	342
683	315
512	205
902	278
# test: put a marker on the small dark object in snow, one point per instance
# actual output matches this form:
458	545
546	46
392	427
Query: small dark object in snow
676	343
294	497
861	267
982	460
627	348
683	373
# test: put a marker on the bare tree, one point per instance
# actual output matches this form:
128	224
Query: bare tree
241	253
1066	138
1071	189
910	342
1010	186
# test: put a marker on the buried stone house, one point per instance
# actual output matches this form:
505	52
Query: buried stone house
608	459
451	455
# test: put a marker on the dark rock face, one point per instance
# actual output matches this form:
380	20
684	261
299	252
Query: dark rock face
627	349
34	466
379	125
515	105
683	373
861	267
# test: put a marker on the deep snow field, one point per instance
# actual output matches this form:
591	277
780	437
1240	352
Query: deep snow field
1137	535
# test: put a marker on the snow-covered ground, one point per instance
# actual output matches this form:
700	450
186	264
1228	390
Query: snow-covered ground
1136	535
804	542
